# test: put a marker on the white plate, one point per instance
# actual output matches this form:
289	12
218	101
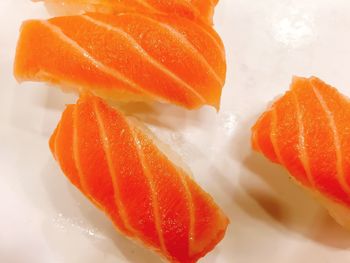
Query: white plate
44	219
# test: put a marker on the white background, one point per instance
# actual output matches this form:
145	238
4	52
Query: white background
43	219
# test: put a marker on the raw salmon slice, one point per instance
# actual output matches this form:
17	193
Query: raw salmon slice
308	132
125	57
116	163
192	9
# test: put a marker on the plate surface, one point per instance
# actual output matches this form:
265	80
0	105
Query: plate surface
44	219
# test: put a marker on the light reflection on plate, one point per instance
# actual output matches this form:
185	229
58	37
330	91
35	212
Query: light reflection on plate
293	28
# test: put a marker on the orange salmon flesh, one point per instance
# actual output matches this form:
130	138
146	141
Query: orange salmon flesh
117	165
192	9
125	57
308	132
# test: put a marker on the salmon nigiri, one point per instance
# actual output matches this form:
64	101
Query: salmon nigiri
193	9
125	57
120	168
308	132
